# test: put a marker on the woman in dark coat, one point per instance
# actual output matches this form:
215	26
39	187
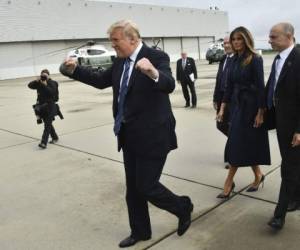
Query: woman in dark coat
248	143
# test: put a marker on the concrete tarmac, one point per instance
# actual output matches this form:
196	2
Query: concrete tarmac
72	195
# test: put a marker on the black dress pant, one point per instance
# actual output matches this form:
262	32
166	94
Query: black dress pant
288	189
142	181
191	85
48	129
297	192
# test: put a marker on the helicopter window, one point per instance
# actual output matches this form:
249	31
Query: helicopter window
95	62
95	52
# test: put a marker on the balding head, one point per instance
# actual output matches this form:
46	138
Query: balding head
286	28
183	54
281	36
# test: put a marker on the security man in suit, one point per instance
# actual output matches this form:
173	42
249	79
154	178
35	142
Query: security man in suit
221	83
141	80
283	102
186	74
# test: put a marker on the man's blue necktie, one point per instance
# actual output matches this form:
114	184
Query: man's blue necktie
122	95
272	83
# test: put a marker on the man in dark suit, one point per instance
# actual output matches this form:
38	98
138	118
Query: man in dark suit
141	80
283	102
221	83
186	74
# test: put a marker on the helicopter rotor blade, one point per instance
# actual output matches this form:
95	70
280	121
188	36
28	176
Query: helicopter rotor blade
55	52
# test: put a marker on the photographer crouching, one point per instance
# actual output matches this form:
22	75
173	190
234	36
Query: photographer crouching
46	108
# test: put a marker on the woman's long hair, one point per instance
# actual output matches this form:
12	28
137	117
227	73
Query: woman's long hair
249	43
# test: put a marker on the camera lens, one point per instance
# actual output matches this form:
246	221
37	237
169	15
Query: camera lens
43	77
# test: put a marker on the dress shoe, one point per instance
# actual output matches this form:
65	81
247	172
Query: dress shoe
184	221
293	206
130	241
39	121
226	196
193	106
276	223
227	166
42	145
53	141
255	188
187	105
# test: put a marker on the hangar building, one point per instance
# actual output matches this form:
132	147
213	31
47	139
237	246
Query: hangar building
37	34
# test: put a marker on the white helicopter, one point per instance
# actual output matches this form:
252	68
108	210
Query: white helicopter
93	55
215	52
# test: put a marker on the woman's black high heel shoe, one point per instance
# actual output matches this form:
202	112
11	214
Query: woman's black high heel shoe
255	188
226	196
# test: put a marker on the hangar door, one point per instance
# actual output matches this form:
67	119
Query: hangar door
172	46
190	46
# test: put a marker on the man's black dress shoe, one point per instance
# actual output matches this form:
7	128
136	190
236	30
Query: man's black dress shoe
42	145
276	223
293	206
130	241
185	220
187	105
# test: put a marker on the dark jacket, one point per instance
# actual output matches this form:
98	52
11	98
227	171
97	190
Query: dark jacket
149	124
287	113
46	97
45	94
246	145
221	79
183	74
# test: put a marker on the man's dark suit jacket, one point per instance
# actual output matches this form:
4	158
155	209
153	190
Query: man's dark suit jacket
149	124
183	74
219	92
287	113
222	78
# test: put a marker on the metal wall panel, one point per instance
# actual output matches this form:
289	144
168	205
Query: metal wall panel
31	30
33	20
172	48
190	46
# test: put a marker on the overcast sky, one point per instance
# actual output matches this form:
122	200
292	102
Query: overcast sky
257	15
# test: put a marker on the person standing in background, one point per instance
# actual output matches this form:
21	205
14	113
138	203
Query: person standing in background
186	74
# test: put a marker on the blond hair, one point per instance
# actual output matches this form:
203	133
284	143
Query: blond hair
249	43
130	29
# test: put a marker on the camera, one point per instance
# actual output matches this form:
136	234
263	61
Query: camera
39	120
43	78
40	109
